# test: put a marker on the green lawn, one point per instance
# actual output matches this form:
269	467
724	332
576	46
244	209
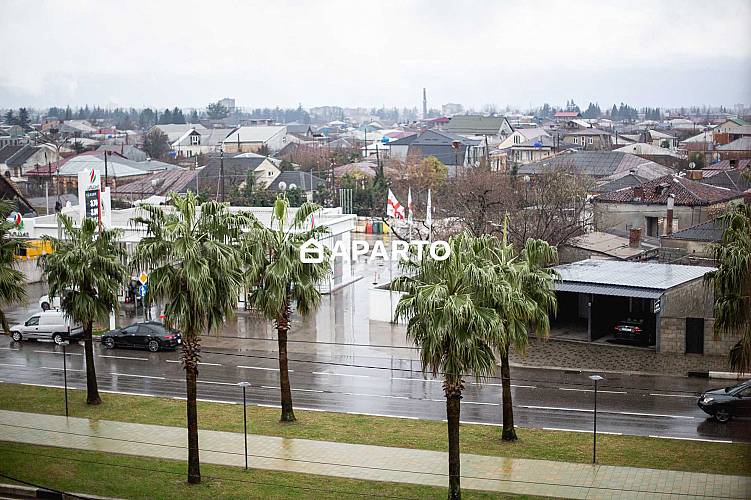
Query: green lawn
631	451
124	476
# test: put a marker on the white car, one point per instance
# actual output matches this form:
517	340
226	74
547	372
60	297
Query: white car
47	325
45	304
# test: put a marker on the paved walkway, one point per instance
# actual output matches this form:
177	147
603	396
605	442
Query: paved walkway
593	356
532	477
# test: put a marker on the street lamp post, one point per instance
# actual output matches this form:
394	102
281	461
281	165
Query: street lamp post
65	374
596	379
245	421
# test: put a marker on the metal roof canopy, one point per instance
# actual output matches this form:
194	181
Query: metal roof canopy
625	279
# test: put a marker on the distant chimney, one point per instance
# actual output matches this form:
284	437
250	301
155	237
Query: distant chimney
733	163
669	221
638	193
634	237
696	175
632	171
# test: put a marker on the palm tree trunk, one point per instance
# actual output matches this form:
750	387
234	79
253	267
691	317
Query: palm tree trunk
282	327
453	398
92	391
509	433
191	350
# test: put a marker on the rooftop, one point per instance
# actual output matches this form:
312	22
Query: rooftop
706	231
656	192
609	244
612	277
600	164
475	124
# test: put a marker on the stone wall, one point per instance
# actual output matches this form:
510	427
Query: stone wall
691	300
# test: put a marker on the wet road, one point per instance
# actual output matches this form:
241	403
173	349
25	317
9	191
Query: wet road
634	405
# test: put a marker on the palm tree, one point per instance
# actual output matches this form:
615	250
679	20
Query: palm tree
86	270
278	278
195	269
523	296
11	279
454	331
732	283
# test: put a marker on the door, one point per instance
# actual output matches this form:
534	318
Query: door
744	402
128	336
142	337
652	226
694	335
31	327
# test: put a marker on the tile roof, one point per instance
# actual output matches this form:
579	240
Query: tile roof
158	183
566	114
260	133
736	179
656	192
608	244
21	155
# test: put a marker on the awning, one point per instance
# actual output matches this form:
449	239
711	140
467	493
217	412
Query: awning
619	291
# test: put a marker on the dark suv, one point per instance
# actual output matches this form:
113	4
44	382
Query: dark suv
723	404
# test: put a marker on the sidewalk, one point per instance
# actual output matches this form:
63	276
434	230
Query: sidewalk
377	463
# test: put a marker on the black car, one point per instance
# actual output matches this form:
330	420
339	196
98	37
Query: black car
150	335
634	330
723	404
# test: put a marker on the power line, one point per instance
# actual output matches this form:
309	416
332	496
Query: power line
62	494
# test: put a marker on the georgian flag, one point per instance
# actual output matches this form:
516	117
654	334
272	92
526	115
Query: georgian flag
393	207
429	213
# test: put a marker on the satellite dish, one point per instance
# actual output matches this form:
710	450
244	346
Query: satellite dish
282	186
692	165
293	185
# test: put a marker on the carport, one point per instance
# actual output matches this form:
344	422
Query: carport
594	295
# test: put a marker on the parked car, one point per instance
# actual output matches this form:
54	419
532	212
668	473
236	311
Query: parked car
46	302
151	335
724	404
634	330
54	325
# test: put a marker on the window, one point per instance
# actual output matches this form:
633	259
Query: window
33	321
576	140
517	139
591	140
195	139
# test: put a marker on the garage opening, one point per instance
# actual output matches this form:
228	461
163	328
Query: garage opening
572	320
694	335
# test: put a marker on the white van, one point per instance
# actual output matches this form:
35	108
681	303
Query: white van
48	325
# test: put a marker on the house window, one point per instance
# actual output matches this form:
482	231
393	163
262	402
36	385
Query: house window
517	139
195	139
576	140
591	140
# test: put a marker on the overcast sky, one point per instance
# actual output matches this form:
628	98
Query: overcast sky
357	53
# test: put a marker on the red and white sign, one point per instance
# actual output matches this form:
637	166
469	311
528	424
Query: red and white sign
394	208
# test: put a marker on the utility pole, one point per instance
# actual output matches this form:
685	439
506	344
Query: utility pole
221	172
105	167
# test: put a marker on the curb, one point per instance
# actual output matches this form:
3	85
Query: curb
594	370
20	491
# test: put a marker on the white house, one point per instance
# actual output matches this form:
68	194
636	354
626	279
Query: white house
522	135
251	139
200	141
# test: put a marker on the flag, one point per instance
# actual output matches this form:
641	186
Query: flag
312	221
409	206
429	214
393	207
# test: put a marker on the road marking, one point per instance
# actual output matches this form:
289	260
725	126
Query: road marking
591	390
271	387
580	430
262	368
418	379
694	439
479	403
605	411
341	375
46	385
123	357
183	398
60	369
373	395
309	409
55	352
379	415
200	362
129	393
493	384
9	349
268	406
11	364
674	395
216	383
138	376
477	423
304	390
